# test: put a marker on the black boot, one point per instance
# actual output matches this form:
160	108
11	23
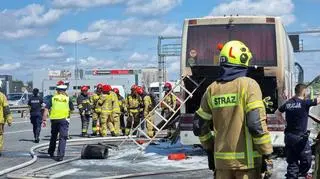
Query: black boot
113	134
37	140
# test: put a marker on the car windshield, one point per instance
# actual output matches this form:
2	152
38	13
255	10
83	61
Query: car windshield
14	97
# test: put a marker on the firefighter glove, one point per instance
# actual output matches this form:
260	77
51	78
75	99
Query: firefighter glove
211	164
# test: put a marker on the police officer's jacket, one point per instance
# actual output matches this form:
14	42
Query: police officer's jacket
237	114
60	106
35	103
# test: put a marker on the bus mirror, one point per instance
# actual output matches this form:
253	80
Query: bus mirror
295	42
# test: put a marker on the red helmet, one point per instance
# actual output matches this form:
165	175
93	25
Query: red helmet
134	87
116	90
106	88
60	83
84	88
139	90
99	85
168	85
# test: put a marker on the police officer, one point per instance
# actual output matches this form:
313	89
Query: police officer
233	106
35	103
84	107
60	106
298	150
5	116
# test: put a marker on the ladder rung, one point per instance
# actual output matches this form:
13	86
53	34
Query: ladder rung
144	134
153	125
195	83
140	146
187	91
170	108
156	112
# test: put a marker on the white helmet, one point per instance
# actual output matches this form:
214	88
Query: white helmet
62	87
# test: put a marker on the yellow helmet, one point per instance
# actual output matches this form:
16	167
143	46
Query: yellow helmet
235	53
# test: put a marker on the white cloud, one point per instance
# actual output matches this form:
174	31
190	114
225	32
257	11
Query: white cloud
282	8
133	26
49	52
139	57
83	3
92	62
10	66
32	20
153	7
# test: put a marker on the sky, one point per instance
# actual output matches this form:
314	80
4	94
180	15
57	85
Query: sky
121	34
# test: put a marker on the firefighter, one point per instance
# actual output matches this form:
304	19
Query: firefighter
234	108
109	111
297	145
147	108
35	103
133	107
96	110
84	107
5	116
60	107
171	101
122	107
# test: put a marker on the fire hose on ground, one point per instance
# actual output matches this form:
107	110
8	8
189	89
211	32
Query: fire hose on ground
34	156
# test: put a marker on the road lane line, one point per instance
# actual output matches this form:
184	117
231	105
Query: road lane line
21	122
64	173
15	132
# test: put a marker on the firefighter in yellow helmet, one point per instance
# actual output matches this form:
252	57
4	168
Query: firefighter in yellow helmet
96	110
109	111
133	105
233	107
5	116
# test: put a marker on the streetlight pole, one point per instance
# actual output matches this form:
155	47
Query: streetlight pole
76	60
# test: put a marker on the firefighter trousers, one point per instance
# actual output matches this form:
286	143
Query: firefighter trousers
132	121
1	136
238	174
96	117
85	119
116	123
106	122
150	122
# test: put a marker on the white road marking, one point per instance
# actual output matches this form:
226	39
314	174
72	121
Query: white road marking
15	132
19	122
64	173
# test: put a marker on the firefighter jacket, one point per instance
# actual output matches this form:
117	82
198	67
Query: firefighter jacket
133	104
109	103
94	102
147	105
5	114
237	114
171	101
84	104
121	103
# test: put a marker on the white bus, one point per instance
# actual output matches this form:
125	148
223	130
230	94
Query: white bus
272	63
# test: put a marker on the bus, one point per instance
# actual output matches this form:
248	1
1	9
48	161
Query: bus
272	66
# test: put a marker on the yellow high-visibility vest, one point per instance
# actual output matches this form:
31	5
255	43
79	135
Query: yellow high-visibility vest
60	107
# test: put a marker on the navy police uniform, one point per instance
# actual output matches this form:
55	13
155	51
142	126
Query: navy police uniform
298	150
35	103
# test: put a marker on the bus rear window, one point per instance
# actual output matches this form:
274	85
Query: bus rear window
202	43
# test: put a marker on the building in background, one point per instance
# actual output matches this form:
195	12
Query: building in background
6	81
